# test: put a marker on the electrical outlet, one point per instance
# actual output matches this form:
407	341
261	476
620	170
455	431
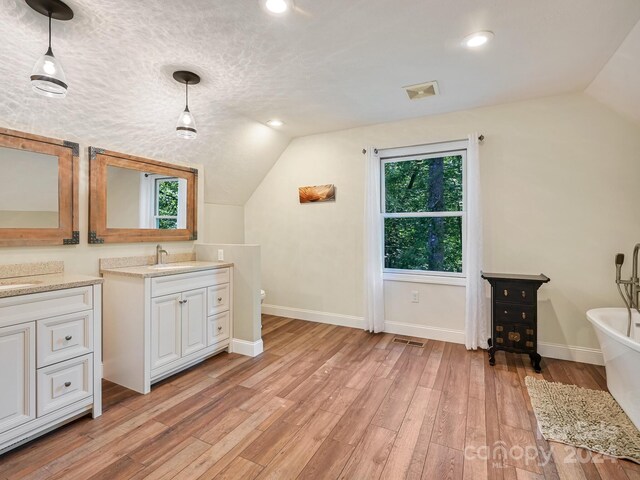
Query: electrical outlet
220	255
415	296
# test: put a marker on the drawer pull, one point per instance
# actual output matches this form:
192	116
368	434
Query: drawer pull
220	328
524	316
68	337
524	294
182	302
529	331
219	299
529	344
499	340
514	336
506	292
67	384
505	312
499	328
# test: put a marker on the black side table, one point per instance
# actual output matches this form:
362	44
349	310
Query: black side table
514	314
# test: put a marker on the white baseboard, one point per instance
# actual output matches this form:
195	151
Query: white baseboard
423	331
244	347
572	353
551	350
314	316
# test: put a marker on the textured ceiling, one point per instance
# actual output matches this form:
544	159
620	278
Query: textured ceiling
618	84
331	64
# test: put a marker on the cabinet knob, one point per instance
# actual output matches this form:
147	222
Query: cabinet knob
68	337
506	292
524	294
505	312
219	299
524	316
67	384
220	328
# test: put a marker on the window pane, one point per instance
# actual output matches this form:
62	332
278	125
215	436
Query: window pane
167	223
168	197
429	185
426	243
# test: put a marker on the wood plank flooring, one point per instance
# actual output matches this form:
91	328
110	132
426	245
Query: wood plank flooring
325	402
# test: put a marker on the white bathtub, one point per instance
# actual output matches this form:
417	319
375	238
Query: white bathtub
621	356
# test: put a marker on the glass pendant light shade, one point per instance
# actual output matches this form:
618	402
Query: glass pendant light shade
47	77
186	127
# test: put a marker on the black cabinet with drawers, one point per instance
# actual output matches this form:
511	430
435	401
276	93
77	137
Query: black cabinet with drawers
514	318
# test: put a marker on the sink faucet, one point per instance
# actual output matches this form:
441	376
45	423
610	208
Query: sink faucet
159	252
629	289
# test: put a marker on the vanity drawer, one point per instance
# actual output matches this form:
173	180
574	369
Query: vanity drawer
64	383
218	299
64	337
514	313
514	292
218	328
182	282
27	308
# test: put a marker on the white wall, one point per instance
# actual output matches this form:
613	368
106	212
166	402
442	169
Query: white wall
560	182
223	224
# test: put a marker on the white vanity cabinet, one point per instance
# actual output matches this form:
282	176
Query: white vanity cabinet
49	361
158	324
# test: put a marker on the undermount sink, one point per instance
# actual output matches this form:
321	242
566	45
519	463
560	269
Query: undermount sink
169	267
16	285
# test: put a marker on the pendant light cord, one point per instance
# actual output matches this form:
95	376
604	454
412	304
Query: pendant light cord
187	95
49	51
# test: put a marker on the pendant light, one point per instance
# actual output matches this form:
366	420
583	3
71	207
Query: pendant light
186	127
48	77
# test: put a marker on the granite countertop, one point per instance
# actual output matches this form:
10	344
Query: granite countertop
146	271
24	285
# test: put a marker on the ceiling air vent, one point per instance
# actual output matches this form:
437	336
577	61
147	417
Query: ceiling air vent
422	90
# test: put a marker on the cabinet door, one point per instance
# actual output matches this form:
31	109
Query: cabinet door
194	321
17	375
165	329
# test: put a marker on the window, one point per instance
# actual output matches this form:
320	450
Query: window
423	209
166	203
163	202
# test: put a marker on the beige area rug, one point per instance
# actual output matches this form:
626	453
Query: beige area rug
580	417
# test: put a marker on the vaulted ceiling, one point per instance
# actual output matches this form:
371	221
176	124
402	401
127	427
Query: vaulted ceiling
329	65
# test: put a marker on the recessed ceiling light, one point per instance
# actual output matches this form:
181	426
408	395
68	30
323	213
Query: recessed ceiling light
277	7
478	39
275	123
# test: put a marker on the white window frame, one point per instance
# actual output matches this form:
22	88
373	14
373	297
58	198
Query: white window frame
424	152
149	209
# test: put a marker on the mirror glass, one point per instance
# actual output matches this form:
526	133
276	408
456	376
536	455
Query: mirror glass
138	199
29	191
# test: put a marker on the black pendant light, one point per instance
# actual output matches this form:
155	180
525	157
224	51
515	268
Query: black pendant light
48	77
186	127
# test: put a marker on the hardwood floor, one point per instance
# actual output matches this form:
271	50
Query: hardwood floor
325	402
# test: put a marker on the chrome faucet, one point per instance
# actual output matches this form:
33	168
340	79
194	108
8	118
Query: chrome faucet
159	252
629	289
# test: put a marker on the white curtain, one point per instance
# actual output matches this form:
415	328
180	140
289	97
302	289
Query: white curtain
476	330
373	291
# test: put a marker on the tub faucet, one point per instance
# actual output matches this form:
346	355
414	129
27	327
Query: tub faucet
159	252
629	289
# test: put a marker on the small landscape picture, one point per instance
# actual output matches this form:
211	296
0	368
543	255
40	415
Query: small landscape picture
317	193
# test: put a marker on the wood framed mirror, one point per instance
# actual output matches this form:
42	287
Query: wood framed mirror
134	199
39	192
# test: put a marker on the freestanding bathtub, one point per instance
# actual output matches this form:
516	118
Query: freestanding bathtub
621	356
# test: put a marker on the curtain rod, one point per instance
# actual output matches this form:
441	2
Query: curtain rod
480	138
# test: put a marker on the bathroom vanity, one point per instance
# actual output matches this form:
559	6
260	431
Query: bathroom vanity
50	326
161	319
